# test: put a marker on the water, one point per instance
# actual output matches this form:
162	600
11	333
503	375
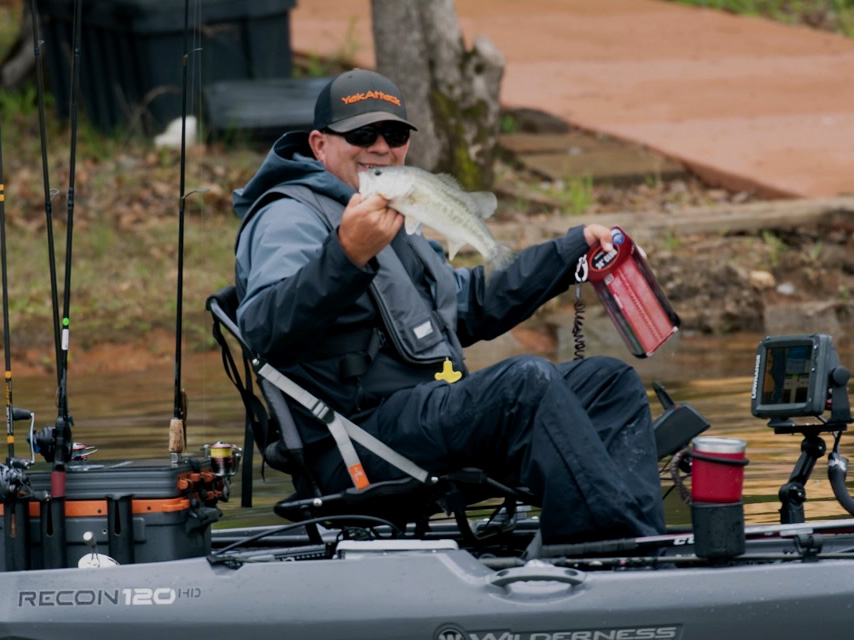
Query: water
127	415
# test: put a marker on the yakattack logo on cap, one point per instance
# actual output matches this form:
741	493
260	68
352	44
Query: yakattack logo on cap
371	95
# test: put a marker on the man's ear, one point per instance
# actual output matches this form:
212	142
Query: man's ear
317	142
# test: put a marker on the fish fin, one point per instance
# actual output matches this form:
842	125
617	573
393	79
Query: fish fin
499	259
484	203
448	180
453	247
412	225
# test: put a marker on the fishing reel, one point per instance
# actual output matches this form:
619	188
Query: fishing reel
44	442
14	482
224	457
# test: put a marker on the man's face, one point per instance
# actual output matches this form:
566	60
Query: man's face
345	160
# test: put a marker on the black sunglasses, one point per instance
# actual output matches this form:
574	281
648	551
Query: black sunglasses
396	134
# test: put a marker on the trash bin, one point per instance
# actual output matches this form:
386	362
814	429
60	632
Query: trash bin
131	53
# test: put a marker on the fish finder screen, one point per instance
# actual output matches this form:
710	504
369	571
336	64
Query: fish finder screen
787	375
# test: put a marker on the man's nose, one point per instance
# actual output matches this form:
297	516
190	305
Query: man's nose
380	145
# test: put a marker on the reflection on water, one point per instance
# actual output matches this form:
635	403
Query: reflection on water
127	416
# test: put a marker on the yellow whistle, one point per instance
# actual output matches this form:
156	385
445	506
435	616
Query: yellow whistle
448	374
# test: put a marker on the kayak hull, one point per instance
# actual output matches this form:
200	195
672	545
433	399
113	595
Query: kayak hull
444	594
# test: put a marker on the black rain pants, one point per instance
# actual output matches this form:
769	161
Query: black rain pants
577	434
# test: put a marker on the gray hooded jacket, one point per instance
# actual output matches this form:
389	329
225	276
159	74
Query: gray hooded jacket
298	289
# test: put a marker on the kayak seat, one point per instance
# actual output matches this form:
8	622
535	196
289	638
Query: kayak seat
270	427
408	501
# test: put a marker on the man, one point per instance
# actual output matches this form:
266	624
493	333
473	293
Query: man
336	295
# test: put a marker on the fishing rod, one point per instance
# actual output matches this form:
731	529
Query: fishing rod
177	426
7	340
15	488
54	525
12	414
48	192
63	423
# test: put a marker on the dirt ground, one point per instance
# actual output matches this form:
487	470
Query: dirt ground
780	282
785	279
790	277
797	280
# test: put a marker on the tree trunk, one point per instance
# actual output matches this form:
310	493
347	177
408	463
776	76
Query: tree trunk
19	62
451	94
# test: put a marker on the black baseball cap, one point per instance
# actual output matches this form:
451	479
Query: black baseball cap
356	98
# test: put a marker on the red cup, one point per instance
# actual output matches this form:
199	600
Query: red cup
713	478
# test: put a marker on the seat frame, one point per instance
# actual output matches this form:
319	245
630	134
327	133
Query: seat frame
270	426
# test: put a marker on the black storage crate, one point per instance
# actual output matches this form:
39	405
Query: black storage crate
131	53
160	512
260	110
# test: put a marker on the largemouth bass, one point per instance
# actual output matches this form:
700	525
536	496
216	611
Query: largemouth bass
438	202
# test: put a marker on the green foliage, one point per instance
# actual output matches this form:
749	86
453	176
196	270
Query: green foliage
472	172
775	245
123	281
580	194
94	143
508	124
815	251
313	67
575	195
19	104
653	181
672	241
833	15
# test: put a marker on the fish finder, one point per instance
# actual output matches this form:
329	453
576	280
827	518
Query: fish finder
800	377
793	376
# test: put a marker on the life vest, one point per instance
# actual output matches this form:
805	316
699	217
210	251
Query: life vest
420	335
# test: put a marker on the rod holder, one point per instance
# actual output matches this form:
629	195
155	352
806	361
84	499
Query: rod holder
120	528
16	534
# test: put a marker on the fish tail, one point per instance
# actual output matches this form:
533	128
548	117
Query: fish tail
499	259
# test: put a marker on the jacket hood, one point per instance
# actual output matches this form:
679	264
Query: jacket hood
290	161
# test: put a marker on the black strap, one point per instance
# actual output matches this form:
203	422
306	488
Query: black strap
257	424
355	364
356	350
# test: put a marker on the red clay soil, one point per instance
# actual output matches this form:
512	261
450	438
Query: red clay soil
745	102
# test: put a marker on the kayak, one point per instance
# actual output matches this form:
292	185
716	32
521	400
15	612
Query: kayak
362	578
140	557
792	581
127	549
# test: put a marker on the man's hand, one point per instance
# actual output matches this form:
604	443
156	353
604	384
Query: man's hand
598	234
367	226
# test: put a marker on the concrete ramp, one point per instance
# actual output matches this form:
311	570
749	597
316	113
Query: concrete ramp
746	103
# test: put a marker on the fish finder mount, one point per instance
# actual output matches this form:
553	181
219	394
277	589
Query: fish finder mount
800	376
